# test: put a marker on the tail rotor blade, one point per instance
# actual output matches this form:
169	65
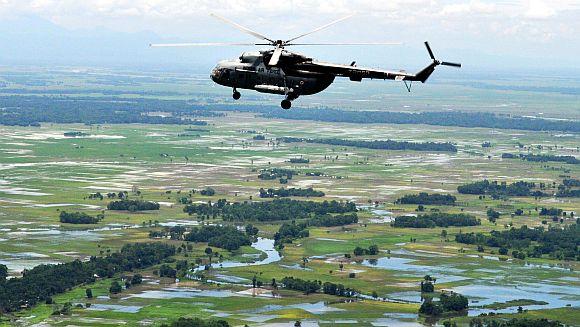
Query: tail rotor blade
452	64
429	50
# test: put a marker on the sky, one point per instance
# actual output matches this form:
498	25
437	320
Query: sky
486	35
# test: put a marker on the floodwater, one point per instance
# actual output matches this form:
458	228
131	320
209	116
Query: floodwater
263	244
501	281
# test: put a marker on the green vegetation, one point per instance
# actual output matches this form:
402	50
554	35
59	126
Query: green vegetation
133	205
79	218
447	118
514	322
497	190
330	220
436	219
543	158
44	281
283	192
197	322
278	209
427	199
378	145
448	302
558	243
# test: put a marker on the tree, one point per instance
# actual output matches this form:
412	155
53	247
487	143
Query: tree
115	288
137	279
251	230
89	293
3	273
209	253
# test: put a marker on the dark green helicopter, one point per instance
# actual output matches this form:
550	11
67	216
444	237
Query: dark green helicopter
279	71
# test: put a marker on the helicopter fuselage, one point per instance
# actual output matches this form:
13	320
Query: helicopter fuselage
251	72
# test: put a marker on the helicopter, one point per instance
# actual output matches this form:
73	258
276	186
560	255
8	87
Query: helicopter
279	71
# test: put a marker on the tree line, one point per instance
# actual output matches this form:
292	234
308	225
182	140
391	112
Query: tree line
225	237
498	190
557	243
436	219
133	205
33	110
79	218
543	158
314	286
378	145
442	118
427	199
283	192
448	302
40	283
277	209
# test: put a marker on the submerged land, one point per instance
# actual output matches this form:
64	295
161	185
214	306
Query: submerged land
91	161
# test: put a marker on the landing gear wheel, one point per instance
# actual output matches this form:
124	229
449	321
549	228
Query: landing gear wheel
236	95
286	104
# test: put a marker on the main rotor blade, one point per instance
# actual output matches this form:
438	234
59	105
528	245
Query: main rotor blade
275	56
168	45
320	28
452	64
242	28
348	44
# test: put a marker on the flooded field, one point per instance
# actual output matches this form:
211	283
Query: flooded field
43	173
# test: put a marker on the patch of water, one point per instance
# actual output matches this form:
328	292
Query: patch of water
115	308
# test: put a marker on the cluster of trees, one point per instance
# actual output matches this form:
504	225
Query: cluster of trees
42	282
427	199
448	302
299	160
76	134
283	192
378	145
372	250
446	118
208	191
297	284
133	205
313	286
514	322
550	212
167	271
498	190
79	218
436	219
331	221
276	173
277	209
543	158
289	232
566	189
427	284
225	237
493	215
33	110
557	243
197	322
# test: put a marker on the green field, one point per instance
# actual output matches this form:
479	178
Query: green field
42	172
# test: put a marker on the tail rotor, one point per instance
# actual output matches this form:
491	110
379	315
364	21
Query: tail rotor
437	62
